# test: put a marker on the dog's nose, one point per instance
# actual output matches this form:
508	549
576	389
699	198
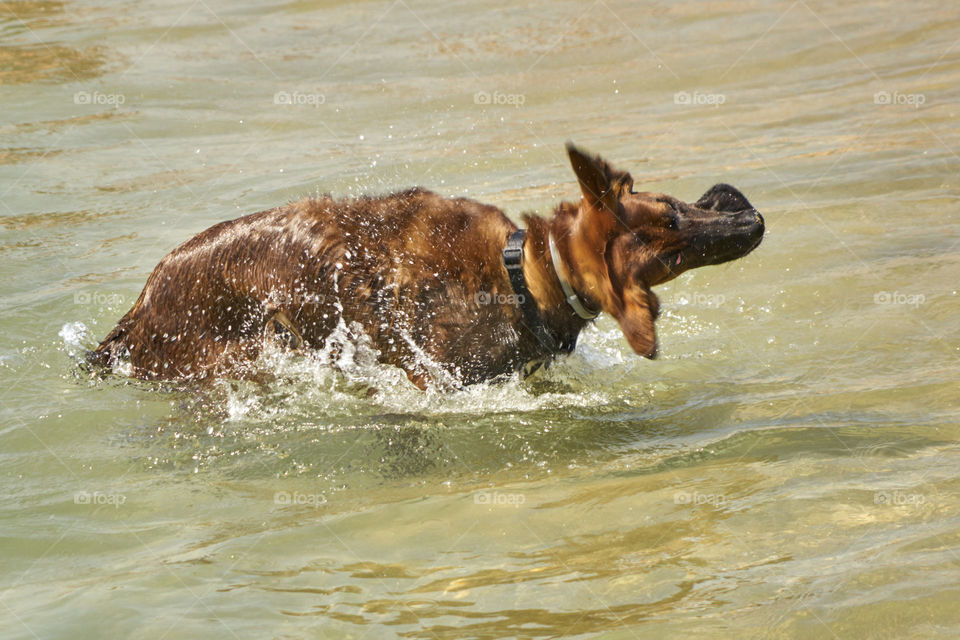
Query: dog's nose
756	234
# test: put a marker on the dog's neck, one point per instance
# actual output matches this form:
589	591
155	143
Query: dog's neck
541	274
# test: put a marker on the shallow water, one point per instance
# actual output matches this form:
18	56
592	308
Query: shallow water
787	468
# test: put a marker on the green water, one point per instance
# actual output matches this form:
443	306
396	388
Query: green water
789	468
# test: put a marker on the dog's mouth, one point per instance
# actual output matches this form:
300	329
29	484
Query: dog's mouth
675	264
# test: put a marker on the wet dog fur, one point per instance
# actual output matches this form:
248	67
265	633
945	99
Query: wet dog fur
423	276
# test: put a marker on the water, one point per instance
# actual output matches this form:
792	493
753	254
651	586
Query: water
788	468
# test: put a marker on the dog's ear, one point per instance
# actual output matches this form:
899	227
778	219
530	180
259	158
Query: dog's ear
595	183
628	298
622	183
636	317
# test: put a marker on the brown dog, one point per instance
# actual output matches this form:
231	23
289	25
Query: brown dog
427	278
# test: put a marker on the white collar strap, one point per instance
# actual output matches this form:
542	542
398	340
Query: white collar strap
572	298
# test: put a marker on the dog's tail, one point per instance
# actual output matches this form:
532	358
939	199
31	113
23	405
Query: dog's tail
112	350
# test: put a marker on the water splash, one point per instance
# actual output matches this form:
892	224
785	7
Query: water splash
74	334
345	379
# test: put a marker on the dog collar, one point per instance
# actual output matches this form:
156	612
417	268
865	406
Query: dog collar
513	261
572	298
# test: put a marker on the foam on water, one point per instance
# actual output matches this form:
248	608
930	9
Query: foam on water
74	334
345	376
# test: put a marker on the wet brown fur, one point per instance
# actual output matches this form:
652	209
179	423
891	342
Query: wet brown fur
408	269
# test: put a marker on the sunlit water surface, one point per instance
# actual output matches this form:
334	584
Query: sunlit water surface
789	467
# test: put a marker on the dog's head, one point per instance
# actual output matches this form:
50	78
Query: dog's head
622	243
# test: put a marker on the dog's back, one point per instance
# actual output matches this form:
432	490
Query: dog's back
406	267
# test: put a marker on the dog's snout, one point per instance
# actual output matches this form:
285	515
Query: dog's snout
760	229
759	226
750	223
720	237
749	219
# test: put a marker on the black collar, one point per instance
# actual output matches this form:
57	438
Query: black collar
513	261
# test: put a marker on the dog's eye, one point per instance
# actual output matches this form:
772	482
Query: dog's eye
670	203
670	221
